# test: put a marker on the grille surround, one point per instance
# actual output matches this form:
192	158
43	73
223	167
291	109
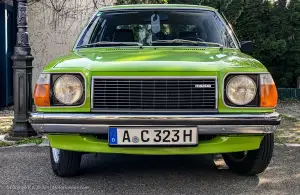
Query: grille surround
189	80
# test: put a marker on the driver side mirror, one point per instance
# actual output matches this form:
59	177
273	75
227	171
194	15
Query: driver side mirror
246	46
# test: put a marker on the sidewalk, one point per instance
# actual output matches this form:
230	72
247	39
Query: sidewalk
289	129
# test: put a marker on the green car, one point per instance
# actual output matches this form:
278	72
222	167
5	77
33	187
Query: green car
157	80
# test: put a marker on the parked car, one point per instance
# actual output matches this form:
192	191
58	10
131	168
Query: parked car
157	80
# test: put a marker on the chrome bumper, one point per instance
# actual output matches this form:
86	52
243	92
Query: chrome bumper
88	123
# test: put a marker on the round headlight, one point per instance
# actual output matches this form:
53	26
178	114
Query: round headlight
68	89
241	90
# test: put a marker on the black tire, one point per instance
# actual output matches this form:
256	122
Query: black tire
66	164
251	162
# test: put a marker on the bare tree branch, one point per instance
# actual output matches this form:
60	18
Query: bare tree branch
95	4
58	8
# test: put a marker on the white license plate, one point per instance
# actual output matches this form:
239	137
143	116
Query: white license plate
152	136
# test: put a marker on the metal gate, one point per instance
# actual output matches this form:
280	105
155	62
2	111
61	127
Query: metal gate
7	37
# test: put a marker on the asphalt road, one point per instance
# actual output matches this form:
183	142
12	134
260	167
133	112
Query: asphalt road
27	170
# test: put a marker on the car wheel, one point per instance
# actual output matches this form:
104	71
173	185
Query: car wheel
65	163
254	161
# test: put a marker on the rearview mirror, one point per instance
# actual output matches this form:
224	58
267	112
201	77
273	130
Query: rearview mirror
246	46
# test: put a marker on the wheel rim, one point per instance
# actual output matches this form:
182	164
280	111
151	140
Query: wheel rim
55	153
238	156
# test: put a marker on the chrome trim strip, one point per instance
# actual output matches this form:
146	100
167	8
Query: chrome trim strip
161	47
124	8
149	111
202	129
180	47
236	129
92	94
91	116
156	77
66	73
216	93
153	120
71	128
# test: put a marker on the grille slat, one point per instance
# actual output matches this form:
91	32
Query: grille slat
151	81
157	94
137	100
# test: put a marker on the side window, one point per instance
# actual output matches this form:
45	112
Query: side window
89	31
225	36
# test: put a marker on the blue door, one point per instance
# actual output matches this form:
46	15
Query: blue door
7	36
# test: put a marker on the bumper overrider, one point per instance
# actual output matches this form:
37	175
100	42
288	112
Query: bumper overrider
90	123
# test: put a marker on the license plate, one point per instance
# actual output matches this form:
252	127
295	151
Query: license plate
131	136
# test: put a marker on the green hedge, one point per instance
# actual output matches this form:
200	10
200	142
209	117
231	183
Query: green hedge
288	93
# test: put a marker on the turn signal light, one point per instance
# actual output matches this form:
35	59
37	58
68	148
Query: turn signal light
42	91
268	91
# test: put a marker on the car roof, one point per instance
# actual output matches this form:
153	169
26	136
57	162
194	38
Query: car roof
155	6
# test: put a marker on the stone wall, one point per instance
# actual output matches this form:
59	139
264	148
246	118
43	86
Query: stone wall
54	26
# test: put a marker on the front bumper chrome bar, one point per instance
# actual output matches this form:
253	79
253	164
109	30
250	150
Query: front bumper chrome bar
89	123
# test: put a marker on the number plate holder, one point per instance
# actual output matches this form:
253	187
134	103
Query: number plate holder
153	136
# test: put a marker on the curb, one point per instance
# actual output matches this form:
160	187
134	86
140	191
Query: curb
2	139
6	117
26	145
45	143
290	145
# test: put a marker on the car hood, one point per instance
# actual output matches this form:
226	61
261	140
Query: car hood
156	59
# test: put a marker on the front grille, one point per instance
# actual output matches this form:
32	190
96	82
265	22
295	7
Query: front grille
154	94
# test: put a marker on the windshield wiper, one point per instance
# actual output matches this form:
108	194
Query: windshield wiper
185	41
108	43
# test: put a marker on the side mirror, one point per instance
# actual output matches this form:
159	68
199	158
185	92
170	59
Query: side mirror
246	46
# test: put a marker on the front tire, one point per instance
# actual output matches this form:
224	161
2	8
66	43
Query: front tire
65	163
251	162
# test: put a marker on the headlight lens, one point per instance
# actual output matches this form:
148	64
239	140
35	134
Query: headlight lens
68	89
241	90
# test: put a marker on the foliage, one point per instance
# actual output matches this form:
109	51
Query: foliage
273	26
36	141
4	144
30	141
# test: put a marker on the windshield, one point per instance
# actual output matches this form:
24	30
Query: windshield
159	28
